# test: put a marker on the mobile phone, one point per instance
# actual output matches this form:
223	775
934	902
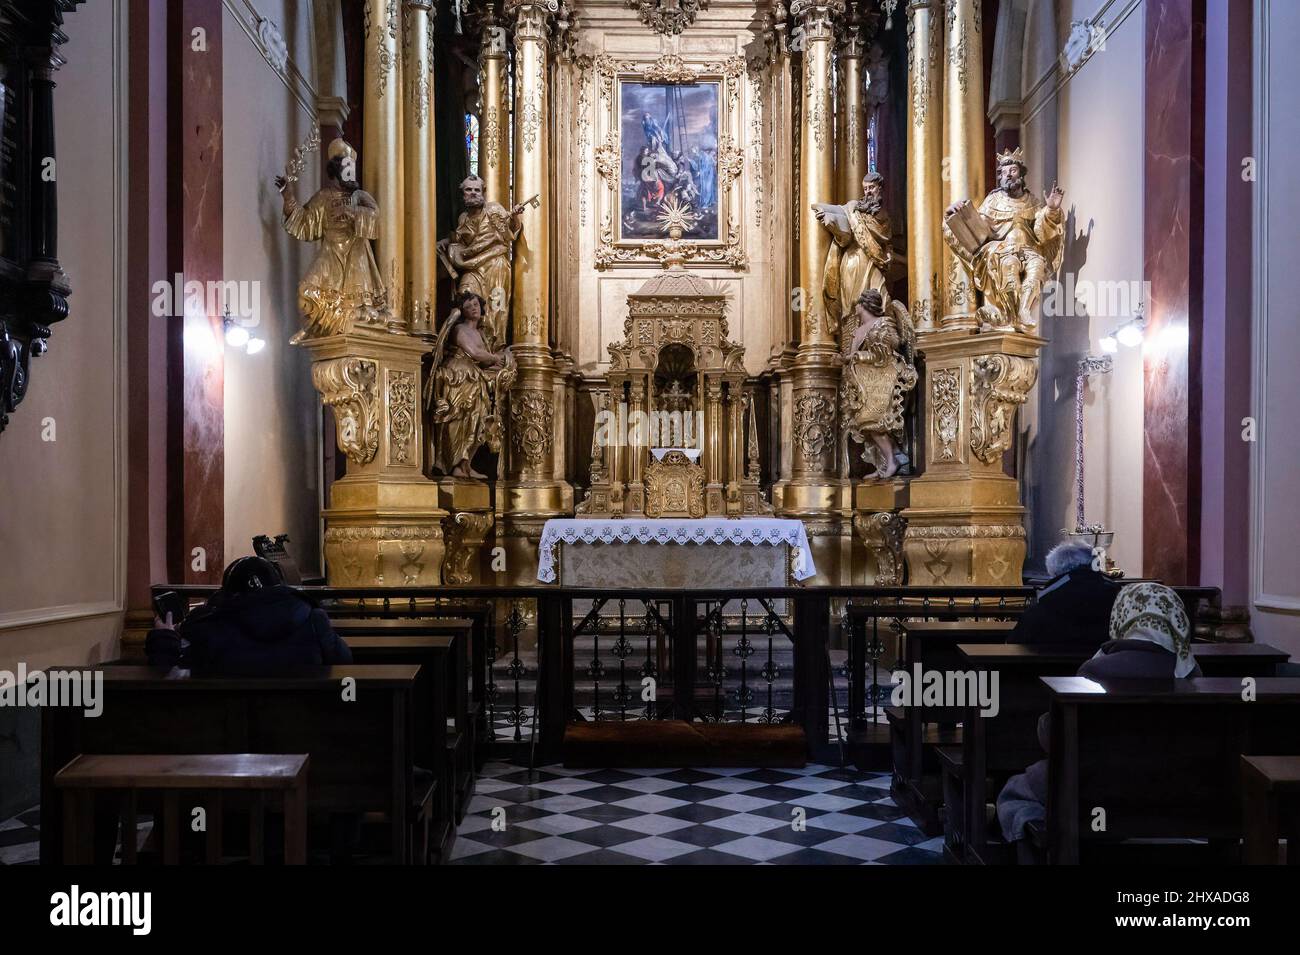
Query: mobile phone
169	601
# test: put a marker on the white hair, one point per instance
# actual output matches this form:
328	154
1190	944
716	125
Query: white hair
1067	556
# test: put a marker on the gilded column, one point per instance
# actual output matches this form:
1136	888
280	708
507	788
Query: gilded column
381	148
494	128
924	160
532	490
813	485
963	132
853	120
421	204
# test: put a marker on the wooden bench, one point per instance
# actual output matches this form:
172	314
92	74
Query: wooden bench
361	750
995	748
916	732
479	614
210	776
1270	804
445	730
1161	758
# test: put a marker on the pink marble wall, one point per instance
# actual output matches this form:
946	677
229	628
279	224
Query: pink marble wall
196	489
146	333
1173	224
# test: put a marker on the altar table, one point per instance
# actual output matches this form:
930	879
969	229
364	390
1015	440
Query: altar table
712	552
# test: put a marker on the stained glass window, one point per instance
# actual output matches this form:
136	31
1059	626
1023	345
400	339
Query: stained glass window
471	142
872	132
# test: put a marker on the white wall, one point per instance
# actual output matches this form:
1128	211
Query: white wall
63	523
1086	131
1275	464
272	430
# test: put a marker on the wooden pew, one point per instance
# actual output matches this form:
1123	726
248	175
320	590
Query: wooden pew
445	730
360	750
1161	757
480	615
995	748
1270	808
214	779
918	730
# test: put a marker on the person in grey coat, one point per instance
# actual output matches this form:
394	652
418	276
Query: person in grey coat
1150	639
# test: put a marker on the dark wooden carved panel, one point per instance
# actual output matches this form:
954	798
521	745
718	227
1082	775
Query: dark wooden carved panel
33	287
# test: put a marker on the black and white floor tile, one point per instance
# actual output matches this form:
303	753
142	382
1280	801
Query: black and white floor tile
818	815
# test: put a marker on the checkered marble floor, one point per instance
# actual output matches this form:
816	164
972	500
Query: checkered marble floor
687	817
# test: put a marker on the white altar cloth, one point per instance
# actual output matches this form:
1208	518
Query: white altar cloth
761	531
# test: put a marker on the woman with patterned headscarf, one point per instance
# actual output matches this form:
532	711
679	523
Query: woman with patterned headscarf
1150	639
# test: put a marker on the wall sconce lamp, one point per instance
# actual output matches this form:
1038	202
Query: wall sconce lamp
237	336
1130	335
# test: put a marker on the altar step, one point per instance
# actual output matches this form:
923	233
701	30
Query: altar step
670	744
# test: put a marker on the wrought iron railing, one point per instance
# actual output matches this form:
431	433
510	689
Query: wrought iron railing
542	657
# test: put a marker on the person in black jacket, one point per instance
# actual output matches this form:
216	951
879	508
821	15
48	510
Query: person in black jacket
254	624
1072	609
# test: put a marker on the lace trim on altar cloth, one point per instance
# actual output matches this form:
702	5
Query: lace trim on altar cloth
758	530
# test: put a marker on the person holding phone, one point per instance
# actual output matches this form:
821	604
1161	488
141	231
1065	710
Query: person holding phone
254	624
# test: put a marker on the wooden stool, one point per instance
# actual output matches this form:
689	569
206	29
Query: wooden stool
1270	804
211	775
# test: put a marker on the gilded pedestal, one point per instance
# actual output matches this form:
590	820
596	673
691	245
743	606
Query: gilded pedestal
469	520
964	522
383	525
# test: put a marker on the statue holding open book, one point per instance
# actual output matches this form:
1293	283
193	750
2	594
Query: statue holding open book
1012	244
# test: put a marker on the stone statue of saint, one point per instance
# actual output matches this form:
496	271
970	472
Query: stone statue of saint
878	373
858	256
342	287
477	254
467	380
1012	244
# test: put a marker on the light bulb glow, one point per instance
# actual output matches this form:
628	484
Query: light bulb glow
1109	344
236	336
255	345
1130	336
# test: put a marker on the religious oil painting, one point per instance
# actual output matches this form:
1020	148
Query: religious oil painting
669	159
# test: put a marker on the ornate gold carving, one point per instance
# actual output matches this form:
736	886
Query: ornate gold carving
669	17
814	424
731	161
387	60
999	384
607	160
927	532
491	135
945	397
584	64
401	417
670	68
882	533
531	422
350	386
464	535
674	487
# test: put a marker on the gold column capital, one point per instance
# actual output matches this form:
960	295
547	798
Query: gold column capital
531	18
425	5
817	17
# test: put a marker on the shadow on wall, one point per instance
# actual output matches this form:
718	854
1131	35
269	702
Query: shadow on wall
1049	478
